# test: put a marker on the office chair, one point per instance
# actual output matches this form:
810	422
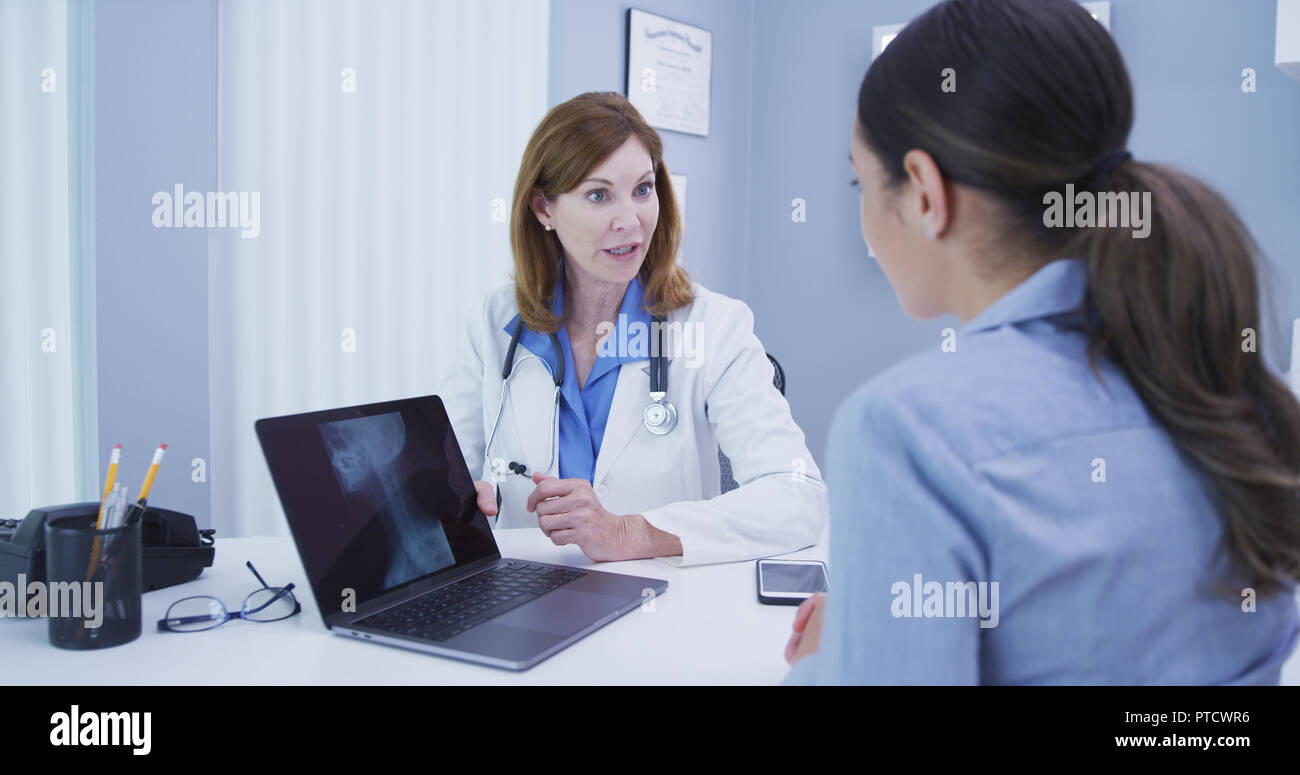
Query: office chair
728	481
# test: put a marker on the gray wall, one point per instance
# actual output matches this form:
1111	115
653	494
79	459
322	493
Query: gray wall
1191	112
822	304
155	126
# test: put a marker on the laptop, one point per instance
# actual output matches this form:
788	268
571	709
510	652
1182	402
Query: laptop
385	517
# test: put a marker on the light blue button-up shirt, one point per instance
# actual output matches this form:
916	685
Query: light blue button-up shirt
1007	461
584	412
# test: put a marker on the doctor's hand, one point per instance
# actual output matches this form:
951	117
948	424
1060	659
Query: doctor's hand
569	512
487	498
807	628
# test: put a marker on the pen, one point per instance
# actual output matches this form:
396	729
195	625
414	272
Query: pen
122	503
110	509
109	513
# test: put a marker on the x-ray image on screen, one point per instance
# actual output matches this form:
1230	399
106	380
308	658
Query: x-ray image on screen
366	455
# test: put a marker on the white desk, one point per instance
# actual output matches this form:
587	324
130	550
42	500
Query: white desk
709	628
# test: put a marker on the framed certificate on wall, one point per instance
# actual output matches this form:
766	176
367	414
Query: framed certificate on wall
669	69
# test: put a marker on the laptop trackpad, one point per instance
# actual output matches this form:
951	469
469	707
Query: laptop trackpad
562	612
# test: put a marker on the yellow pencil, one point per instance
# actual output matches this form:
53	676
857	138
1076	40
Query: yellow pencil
153	471
113	459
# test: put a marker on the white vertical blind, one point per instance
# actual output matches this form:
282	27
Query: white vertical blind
37	454
376	210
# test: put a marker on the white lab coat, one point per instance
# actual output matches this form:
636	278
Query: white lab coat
724	397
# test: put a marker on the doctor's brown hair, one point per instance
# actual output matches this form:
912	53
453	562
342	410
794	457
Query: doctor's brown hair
571	141
1044	97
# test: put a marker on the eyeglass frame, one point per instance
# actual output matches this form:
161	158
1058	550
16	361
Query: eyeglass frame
285	590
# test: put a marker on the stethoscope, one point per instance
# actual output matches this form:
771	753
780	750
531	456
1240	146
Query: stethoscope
659	416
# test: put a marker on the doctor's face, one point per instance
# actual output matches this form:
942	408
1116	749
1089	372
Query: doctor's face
605	224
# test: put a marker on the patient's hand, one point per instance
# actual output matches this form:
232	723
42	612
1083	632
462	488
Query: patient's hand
807	628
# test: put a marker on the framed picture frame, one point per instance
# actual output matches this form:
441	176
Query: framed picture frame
882	35
669	72
1100	11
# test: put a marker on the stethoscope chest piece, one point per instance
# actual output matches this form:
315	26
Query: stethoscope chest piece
660	416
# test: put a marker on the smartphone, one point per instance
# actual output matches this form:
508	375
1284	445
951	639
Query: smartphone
790	582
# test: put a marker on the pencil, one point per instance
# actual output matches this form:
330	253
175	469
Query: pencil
113	459
153	471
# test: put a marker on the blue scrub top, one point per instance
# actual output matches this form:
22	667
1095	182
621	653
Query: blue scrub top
583	413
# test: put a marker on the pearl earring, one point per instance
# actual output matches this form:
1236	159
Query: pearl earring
548	227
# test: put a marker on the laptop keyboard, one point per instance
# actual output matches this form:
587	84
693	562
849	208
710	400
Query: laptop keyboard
453	609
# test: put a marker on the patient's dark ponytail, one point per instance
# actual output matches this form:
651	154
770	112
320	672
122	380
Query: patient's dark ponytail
1042	100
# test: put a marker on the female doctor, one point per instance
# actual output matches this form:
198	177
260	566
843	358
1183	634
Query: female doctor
595	390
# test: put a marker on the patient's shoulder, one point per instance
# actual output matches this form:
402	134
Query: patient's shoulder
997	390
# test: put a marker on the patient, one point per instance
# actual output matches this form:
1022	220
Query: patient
1094	480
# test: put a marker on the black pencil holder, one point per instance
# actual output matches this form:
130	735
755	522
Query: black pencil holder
94	580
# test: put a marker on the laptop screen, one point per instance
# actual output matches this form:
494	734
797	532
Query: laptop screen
377	496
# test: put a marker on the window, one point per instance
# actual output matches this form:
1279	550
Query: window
381	143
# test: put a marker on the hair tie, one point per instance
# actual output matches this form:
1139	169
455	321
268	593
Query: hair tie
1109	163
